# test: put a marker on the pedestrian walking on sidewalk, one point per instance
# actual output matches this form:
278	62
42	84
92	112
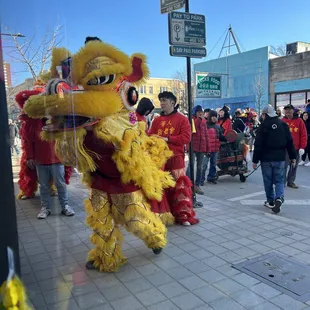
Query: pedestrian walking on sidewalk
299	133
14	137
305	117
41	156
273	141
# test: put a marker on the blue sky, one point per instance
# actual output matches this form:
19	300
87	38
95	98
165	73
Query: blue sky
138	26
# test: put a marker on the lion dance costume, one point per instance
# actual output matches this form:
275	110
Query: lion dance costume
97	131
28	179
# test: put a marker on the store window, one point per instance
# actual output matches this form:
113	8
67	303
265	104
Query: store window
282	99
150	89
298	99
162	89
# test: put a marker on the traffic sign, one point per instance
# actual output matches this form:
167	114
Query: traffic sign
187	29
208	86
188	51
167	6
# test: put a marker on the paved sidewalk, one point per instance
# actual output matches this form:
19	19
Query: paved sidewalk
193	272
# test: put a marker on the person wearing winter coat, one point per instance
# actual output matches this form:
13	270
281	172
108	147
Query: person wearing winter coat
306	118
224	120
42	157
308	106
13	136
253	125
238	124
200	142
300	137
273	142
215	138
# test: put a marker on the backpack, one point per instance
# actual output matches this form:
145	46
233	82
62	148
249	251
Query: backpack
274	133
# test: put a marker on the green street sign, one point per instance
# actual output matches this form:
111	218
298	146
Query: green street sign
208	86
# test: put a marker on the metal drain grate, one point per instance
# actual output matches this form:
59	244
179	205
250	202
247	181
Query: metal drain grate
280	272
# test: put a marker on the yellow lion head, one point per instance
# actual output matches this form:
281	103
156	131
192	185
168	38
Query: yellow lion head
104	80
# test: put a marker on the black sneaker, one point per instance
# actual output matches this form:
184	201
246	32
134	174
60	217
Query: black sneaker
212	182
269	205
278	203
157	251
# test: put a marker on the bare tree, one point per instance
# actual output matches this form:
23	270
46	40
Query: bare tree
35	57
259	88
180	85
279	50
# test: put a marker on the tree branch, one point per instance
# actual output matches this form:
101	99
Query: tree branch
34	56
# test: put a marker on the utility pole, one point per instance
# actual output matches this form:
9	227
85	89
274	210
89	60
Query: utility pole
8	225
196	203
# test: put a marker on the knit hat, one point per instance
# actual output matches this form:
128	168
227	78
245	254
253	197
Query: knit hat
198	108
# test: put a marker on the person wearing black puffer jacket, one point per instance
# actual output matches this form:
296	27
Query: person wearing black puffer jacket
273	141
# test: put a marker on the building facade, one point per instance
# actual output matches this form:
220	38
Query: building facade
154	86
7	75
244	79
290	78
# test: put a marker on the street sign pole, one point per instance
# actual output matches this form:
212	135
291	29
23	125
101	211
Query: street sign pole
196	203
8	225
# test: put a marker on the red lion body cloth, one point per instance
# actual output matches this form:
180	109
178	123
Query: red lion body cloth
28	180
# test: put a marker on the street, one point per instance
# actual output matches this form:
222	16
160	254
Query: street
251	194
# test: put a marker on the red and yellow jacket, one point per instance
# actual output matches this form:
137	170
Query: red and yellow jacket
298	131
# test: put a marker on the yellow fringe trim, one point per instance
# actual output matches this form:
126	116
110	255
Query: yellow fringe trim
136	165
107	256
145	225
158	150
166	218
70	149
13	295
20	195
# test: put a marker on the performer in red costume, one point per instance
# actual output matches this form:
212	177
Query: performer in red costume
174	128
28	180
